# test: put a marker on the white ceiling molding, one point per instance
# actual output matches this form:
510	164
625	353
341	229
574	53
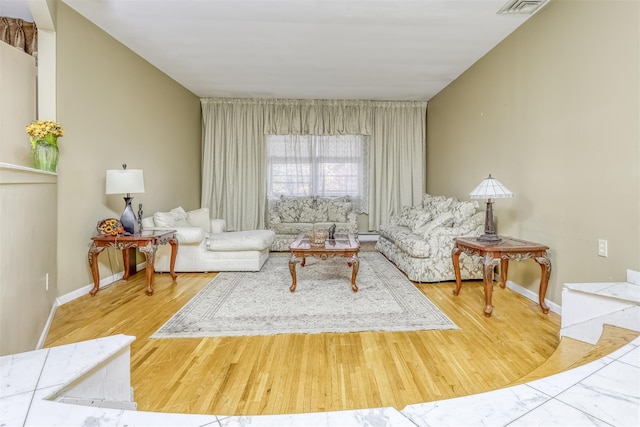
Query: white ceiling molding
527	7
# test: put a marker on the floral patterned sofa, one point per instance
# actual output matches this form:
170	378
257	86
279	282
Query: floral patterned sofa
419	240
290	216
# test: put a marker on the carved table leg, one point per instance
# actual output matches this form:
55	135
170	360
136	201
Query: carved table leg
126	260
545	266
150	252
292	269
355	266
174	252
455	256
488	263
93	263
504	269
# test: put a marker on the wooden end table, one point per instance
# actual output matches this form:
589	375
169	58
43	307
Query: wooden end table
146	241
501	252
344	245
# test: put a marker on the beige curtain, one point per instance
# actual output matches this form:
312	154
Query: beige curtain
20	34
397	158
234	152
234	162
317	117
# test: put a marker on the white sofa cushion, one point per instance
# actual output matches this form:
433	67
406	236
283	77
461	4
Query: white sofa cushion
189	235
253	240
218	225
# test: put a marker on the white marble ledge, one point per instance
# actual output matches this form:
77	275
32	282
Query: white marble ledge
604	392
627	291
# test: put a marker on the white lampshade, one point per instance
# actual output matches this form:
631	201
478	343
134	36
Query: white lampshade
123	181
490	188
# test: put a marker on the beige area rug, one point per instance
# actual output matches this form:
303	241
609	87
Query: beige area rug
241	304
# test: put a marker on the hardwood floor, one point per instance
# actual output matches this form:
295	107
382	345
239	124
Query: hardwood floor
309	373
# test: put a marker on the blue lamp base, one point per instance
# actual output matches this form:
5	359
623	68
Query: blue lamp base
128	218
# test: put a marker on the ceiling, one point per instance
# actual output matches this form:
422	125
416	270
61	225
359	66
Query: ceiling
315	49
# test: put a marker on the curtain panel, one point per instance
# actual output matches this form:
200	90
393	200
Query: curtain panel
234	151
234	162
397	158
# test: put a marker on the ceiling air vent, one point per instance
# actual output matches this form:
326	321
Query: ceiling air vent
525	7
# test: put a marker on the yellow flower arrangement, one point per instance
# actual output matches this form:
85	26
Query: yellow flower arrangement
44	131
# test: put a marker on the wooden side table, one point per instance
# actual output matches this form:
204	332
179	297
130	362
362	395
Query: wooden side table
501	252
146	241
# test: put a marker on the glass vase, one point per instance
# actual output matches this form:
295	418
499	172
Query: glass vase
45	157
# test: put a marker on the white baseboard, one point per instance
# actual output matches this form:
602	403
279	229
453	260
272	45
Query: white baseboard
369	237
47	326
63	299
533	296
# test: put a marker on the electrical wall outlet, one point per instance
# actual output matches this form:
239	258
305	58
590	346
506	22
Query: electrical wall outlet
602	247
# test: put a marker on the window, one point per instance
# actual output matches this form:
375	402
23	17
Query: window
326	166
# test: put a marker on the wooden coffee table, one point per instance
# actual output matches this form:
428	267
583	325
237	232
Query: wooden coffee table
344	245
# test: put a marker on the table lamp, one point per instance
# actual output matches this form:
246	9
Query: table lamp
490	188
126	181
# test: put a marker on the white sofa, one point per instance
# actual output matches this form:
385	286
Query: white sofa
204	245
419	240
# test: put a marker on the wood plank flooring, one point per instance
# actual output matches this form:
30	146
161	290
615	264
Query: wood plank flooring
308	373
572	353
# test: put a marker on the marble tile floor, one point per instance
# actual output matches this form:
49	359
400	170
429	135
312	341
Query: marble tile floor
605	392
586	307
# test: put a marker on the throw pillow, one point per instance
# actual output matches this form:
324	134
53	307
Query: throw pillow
179	213
428	201
443	220
338	211
421	218
443	206
321	209
462	211
307	209
288	209
164	219
409	214
200	218
339	199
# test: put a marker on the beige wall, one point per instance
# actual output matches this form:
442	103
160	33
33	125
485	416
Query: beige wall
27	236
116	108
27	256
17	104
553	113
